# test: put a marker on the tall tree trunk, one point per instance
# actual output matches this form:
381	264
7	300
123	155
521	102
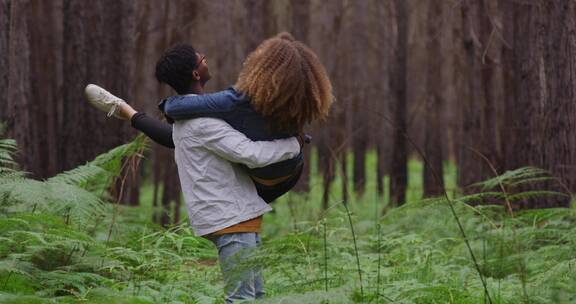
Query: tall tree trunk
433	171
359	113
382	129
508	131
343	156
93	45
300	26
17	115
478	138
528	89
332	134
559	110
326	168
398	168
260	22
46	84
5	28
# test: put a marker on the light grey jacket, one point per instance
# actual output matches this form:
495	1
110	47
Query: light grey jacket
218	193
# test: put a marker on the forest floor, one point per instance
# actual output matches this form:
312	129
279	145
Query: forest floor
411	254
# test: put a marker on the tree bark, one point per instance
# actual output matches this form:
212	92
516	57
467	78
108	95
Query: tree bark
558	144
433	171
398	168
5	22
479	136
300	25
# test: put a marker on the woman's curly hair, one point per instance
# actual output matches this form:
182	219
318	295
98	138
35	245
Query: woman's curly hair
286	83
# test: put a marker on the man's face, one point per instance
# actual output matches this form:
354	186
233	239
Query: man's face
202	71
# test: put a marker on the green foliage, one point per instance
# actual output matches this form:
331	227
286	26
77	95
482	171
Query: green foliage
74	194
7	149
61	243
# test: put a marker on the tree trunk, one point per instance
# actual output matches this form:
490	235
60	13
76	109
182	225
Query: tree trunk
5	28
479	137
558	144
326	168
93	45
260	22
398	168
17	115
433	171
300	28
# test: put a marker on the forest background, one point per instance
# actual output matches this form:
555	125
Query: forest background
482	86
471	82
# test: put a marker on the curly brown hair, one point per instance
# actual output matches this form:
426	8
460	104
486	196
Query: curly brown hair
286	83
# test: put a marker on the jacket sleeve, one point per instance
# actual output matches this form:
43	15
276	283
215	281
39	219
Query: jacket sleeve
159	131
182	107
219	137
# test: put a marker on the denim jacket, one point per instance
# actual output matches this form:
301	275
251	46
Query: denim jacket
234	108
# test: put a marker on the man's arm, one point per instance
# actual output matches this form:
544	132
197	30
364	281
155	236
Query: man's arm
181	107
219	137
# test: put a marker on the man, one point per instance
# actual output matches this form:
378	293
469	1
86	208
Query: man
221	199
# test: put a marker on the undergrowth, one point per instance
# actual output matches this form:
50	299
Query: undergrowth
66	240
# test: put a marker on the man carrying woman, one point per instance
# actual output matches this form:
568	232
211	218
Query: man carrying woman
236	149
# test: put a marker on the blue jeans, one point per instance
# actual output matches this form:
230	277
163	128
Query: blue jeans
241	282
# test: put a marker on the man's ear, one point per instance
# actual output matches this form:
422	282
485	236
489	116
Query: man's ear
196	75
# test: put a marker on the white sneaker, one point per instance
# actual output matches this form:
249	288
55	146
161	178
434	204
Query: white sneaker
103	100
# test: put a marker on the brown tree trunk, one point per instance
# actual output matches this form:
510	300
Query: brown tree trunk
326	168
398	167
558	143
332	133
433	171
479	137
344	175
5	28
508	130
93	45
525	122
260	22
381	128
300	26
359	175
17	115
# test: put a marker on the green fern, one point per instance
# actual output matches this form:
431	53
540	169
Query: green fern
54	247
74	193
103	168
520	176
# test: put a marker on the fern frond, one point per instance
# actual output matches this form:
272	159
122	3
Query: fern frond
8	148
79	175
17	266
104	166
513	177
535	194
54	198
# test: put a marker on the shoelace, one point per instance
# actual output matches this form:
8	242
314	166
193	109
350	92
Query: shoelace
114	106
112	110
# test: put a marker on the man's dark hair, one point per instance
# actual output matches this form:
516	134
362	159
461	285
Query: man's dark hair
175	66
